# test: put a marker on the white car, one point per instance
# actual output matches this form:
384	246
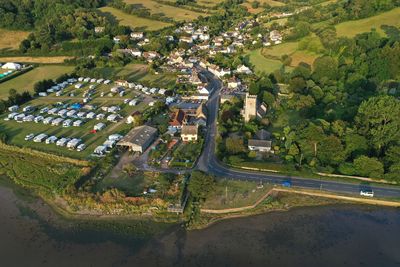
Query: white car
367	193
29	137
81	147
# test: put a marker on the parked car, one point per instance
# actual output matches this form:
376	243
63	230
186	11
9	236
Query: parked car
29	137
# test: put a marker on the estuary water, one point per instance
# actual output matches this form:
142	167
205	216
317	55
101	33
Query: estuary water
341	235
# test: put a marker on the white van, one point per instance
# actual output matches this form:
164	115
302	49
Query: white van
367	193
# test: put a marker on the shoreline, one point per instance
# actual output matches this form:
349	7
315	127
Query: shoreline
291	199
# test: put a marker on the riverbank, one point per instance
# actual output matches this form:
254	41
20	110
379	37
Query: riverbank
332	235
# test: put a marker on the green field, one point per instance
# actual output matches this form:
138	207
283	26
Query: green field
141	73
354	27
27	80
135	21
175	13
16	132
263	64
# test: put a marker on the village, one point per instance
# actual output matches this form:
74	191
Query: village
84	116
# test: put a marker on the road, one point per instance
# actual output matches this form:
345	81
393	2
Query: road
209	163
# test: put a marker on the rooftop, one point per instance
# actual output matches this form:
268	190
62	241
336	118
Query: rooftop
138	135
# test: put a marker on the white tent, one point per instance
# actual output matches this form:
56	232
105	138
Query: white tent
11	66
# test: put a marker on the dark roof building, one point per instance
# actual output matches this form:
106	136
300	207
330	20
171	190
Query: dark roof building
139	138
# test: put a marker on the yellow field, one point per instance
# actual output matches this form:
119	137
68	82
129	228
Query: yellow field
352	28
134	21
27	80
41	60
176	13
11	39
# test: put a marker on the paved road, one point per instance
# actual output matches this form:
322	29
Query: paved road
209	163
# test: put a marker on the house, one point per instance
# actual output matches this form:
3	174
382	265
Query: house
203	90
179	119
275	36
138	139
189	133
243	70
259	145
11	66
137	35
234	83
263	135
185	39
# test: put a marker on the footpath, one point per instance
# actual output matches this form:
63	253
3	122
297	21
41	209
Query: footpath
369	201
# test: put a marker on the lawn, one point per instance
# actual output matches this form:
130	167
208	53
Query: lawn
141	73
234	194
176	13
279	50
354	27
11	39
290	48
135	21
27	80
263	64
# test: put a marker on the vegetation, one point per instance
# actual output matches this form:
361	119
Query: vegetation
25	82
40	171
135	21
11	39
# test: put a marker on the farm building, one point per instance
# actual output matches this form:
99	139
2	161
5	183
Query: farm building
138	139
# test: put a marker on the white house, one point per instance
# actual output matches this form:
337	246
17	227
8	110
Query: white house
243	69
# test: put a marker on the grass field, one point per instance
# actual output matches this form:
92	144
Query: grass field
27	80
17	131
134	21
38	60
176	13
281	49
263	64
233	194
291	49
11	39
352	28
141	73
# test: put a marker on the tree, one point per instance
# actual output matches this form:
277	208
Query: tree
370	167
330	151
268	98
355	145
201	184
325	67
378	119
234	145
165	180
